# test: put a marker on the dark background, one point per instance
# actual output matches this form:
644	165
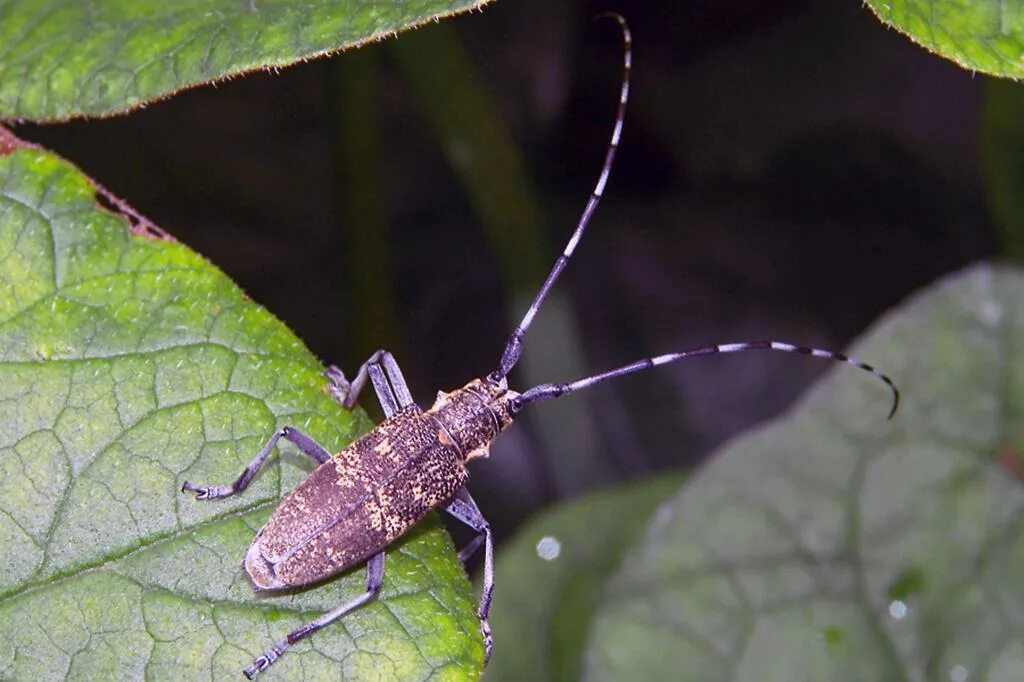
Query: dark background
789	169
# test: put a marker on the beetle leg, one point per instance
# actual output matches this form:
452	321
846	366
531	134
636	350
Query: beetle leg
339	386
397	380
464	509
374	579
303	442
390	387
347	392
387	399
469	550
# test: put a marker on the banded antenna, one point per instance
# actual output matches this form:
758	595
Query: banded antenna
514	345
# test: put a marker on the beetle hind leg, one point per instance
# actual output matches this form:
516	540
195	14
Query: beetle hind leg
374	580
465	510
307	445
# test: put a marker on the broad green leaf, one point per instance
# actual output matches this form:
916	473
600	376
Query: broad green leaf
834	545
128	365
543	611
1001	146
63	58
980	35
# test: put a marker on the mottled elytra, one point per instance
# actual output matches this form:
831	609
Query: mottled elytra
360	500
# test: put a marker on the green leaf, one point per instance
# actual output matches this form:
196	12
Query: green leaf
128	365
542	614
834	545
1001	143
980	35
63	58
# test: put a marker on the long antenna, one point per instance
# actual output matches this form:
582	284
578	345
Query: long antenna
550	391
514	346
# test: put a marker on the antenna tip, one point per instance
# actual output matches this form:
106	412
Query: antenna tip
611	15
895	399
618	18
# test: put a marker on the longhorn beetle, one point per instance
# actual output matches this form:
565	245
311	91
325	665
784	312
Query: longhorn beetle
360	500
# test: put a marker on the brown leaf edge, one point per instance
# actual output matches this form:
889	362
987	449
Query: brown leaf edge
10	143
140	225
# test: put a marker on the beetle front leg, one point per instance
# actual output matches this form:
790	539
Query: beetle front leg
300	440
465	510
385	375
374	580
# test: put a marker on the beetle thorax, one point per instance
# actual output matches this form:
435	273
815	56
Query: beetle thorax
472	417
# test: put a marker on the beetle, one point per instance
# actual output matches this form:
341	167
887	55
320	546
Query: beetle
361	499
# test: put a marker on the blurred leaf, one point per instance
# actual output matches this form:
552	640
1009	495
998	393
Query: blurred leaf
834	545
1002	155
366	271
980	35
480	147
543	611
63	58
127	365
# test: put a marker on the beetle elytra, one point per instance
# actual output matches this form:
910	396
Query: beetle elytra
361	499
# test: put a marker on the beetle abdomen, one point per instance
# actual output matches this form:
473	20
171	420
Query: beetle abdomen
354	505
